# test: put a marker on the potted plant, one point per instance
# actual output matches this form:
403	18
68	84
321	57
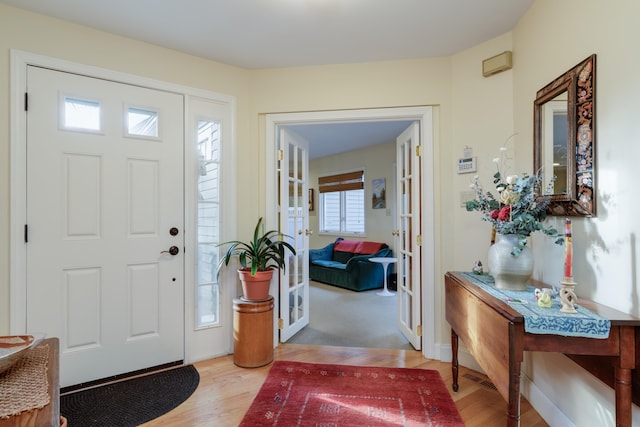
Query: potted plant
258	258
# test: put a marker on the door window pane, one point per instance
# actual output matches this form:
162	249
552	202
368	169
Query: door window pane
142	122
81	114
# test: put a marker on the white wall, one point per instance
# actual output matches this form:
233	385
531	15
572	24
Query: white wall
551	38
377	162
482	111
424	82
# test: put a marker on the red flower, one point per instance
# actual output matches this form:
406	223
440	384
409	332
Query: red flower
494	214
504	213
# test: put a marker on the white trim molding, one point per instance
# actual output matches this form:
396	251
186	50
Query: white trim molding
428	131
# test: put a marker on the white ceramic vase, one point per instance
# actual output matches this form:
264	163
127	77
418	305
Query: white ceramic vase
510	272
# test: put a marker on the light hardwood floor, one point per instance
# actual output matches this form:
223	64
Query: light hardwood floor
226	391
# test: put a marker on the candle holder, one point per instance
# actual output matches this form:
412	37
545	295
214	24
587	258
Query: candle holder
568	295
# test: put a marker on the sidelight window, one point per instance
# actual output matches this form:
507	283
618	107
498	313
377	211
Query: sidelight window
208	226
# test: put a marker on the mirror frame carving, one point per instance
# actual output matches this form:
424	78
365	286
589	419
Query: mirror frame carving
580	84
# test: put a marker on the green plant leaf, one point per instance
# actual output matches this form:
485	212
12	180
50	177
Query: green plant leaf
266	250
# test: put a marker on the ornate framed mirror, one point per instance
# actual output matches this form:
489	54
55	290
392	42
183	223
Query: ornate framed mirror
564	140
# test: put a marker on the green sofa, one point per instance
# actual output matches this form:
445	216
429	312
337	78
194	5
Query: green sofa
345	263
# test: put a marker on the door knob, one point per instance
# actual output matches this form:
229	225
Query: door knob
173	250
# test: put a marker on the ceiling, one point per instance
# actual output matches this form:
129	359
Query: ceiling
329	139
290	33
257	34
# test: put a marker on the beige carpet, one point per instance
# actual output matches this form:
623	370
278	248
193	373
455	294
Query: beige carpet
340	317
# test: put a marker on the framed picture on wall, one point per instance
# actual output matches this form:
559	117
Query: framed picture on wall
311	198
378	198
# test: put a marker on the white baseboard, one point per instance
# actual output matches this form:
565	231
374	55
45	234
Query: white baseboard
540	402
464	357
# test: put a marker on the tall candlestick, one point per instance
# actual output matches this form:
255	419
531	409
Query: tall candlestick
568	248
567	293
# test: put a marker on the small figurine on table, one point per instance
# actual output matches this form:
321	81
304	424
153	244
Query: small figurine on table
544	297
477	268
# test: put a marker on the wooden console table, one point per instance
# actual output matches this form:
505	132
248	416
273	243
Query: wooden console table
494	334
49	416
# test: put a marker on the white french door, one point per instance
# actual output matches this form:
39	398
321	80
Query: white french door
104	257
294	221
408	235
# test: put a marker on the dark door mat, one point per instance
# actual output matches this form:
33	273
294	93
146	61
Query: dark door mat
130	402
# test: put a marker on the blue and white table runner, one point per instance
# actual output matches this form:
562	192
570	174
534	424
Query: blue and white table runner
539	320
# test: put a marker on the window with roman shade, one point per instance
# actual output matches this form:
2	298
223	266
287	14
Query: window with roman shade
342	203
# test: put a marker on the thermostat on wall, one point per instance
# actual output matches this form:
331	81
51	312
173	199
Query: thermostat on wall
467	165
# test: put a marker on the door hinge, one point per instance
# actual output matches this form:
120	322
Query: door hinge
419	330
280	155
419	240
280	323
418	150
26	101
26	233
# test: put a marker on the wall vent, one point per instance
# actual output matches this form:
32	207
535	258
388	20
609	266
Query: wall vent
497	64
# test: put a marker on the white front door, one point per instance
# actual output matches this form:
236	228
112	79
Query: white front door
294	221
408	235
105	222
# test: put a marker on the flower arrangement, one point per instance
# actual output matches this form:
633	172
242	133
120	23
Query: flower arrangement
517	209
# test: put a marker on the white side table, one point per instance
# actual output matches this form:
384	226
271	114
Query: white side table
385	261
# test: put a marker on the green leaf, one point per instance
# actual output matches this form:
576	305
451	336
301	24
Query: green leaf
472	205
267	250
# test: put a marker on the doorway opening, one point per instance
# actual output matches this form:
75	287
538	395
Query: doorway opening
424	117
345	318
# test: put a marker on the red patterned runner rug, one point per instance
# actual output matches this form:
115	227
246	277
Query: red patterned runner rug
311	394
